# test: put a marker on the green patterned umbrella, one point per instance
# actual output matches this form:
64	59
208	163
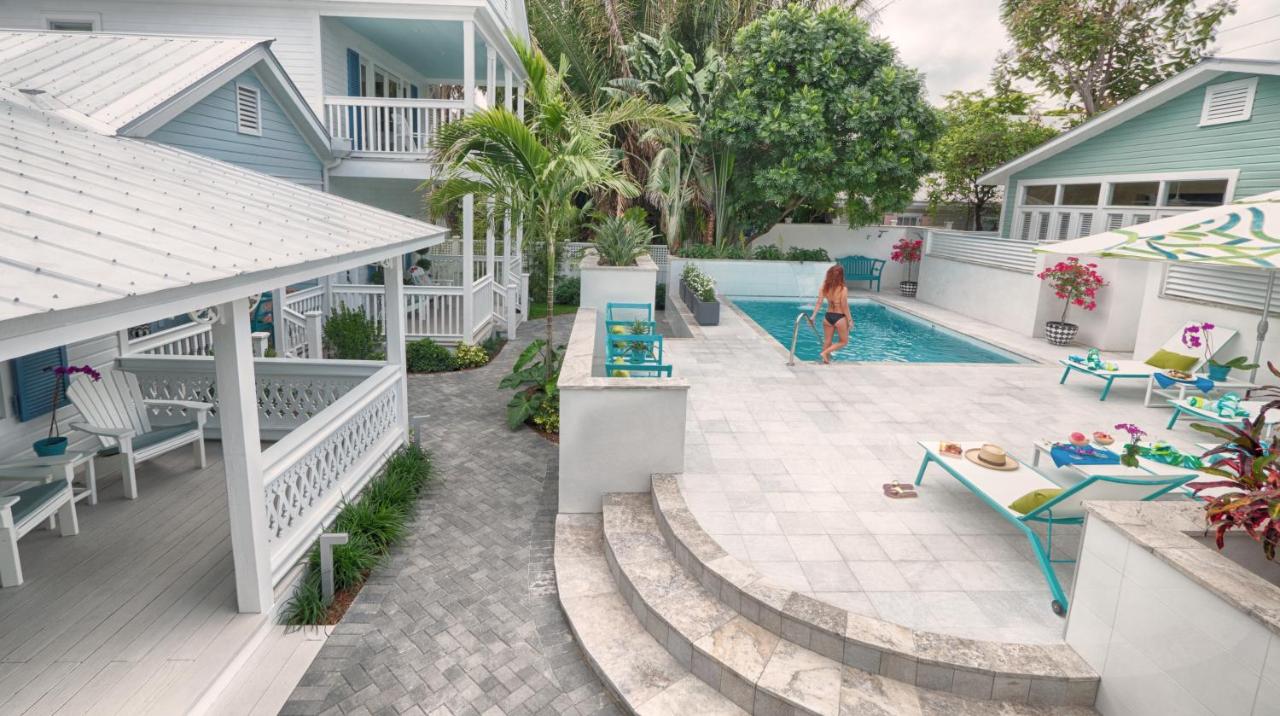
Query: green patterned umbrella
1244	233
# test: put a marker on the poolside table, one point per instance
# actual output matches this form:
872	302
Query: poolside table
1210	414
1179	390
1146	467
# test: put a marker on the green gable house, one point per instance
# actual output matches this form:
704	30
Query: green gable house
1203	137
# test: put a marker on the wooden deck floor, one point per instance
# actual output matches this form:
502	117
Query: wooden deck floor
136	614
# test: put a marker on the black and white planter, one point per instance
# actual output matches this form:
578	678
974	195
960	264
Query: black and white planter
908	288
1059	333
706	313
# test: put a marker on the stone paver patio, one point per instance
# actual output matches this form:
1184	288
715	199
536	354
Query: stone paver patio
463	619
784	467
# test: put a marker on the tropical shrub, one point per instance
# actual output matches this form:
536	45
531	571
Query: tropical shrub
493	345
534	380
349	334
795	253
568	291
620	240
769	252
374	521
427	356
547	416
1075	283
1247	467
469	356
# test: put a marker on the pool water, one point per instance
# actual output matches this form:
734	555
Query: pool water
880	334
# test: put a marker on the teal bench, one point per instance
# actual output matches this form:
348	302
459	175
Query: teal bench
862	268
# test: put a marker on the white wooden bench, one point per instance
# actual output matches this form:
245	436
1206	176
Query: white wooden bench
22	511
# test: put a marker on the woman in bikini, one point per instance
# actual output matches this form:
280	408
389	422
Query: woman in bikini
838	320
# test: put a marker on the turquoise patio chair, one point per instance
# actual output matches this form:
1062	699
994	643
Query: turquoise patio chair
627	312
635	349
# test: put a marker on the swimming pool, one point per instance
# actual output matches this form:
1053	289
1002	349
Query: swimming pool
881	334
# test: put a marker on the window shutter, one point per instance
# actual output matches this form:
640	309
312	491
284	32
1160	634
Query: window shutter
1228	102
1140	219
1086	224
248	110
1064	225
1042	227
1115	221
353	73
1024	232
33	380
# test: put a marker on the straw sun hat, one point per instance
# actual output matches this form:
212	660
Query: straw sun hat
991	456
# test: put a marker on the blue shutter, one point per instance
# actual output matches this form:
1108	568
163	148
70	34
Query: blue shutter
413	94
354	120
33	380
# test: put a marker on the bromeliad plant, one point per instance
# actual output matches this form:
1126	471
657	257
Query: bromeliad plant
1247	466
620	240
1200	335
908	251
1075	283
1133	448
535	381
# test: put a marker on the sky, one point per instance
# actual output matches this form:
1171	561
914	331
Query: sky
955	42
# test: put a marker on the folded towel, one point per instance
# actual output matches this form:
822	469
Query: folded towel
1068	454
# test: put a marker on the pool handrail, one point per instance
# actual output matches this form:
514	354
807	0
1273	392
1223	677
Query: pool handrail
795	335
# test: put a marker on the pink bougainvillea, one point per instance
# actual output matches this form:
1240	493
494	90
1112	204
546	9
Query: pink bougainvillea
1075	283
908	251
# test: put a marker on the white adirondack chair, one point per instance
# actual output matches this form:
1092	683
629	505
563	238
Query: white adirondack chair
22	511
114	410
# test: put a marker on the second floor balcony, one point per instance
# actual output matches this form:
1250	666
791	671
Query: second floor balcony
388	125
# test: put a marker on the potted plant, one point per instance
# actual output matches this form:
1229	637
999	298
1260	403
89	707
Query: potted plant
908	251
55	444
1247	468
702	297
1076	284
1200	335
1133	448
639	350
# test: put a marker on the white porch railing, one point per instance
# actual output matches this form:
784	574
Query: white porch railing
983	249
430	311
295	335
500	304
290	392
306	300
483	295
188	339
308	473
388	125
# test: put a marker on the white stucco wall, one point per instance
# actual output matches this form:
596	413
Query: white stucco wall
842	240
1113	325
756	278
1162	317
1002	297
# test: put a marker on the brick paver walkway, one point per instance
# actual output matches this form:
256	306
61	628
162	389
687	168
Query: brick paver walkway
463	618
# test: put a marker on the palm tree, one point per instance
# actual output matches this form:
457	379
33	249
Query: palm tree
534	169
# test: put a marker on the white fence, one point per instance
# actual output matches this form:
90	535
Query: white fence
430	311
982	249
289	392
188	339
482	296
308	473
387	125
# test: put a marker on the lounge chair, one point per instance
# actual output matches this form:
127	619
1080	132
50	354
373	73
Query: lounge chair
23	510
999	489
115	411
1142	370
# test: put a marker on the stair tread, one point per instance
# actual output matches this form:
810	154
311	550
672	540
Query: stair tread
728	648
640	671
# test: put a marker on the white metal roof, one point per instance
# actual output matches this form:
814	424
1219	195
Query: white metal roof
112	79
115	228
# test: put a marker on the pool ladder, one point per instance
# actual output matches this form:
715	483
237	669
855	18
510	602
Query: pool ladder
795	335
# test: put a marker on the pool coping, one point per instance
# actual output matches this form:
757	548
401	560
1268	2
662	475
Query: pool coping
1026	360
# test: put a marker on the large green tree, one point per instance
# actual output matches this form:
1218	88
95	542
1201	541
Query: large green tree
817	108
980	132
1094	54
538	167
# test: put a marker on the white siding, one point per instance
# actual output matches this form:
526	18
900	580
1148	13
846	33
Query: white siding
16	437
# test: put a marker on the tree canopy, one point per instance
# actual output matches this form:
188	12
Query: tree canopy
1094	54
980	132
817	108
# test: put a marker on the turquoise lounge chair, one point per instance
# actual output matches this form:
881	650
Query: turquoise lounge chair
999	489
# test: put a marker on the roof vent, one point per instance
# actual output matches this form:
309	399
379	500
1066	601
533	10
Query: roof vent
1228	102
248	110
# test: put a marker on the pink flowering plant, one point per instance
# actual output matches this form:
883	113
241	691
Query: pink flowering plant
61	373
1132	448
1075	283
908	251
1200	336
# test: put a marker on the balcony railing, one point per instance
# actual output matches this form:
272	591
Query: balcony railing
387	125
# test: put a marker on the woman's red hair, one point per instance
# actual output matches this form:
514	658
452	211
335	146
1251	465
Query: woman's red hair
834	280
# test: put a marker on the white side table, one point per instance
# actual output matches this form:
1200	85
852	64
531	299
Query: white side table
46	469
1178	391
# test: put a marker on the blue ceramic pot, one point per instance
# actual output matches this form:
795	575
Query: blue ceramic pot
1218	372
48	447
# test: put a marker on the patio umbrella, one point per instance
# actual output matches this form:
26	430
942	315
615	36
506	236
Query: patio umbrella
1244	233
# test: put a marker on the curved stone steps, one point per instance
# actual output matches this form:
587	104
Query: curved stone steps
1049	674
643	676
760	670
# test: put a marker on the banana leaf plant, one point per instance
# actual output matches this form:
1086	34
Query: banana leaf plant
534	379
1246	464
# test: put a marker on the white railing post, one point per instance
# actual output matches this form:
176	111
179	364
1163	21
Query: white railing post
491	76
315	334
326	298
468	66
489	245
468	265
242	457
278	321
260	340
394	321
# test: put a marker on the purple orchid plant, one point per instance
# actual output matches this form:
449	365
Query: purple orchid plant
1199	335
62	372
1136	434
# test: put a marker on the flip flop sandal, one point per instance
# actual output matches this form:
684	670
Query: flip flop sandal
898	492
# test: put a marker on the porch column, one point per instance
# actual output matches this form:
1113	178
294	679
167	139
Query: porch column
393	309
510	279
242	456
468	66
491	77
489	245
468	265
277	321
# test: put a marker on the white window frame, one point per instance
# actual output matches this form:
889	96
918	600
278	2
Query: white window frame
1100	211
93	18
240	128
1250	85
